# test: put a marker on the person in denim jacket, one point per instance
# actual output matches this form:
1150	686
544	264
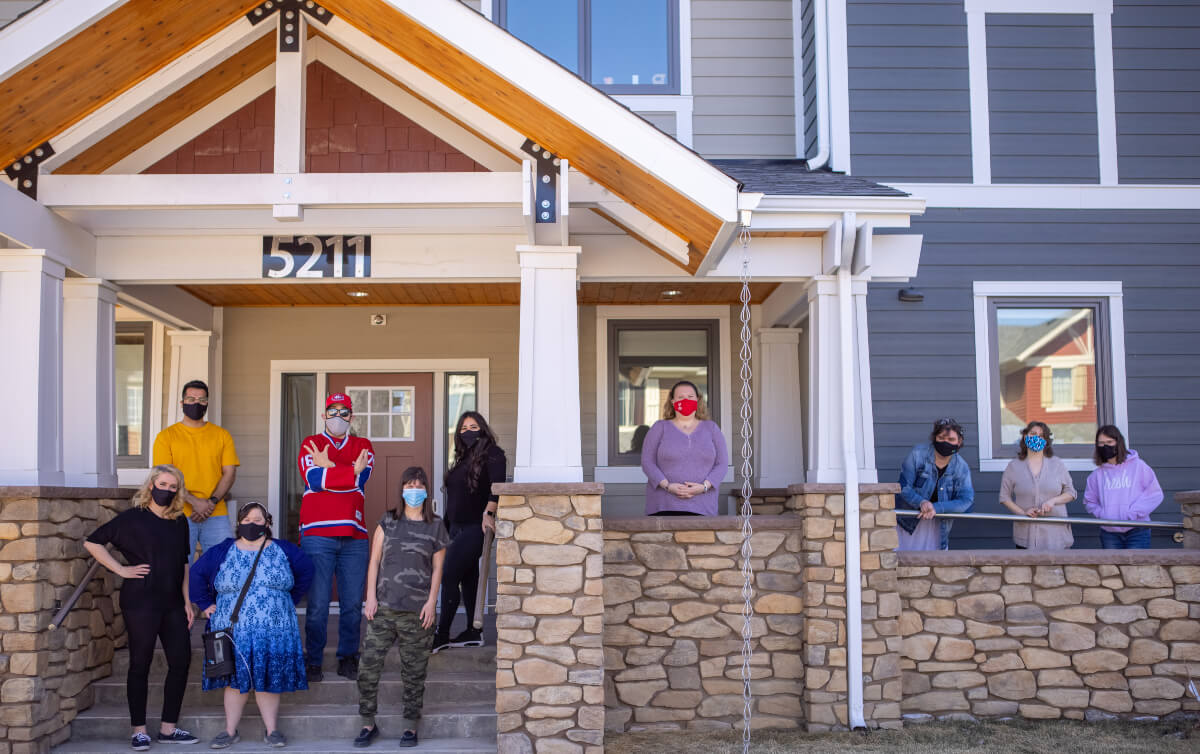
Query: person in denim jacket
934	479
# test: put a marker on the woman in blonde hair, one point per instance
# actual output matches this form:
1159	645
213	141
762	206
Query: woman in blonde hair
153	538
684	457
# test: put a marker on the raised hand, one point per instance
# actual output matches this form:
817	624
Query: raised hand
360	463
320	456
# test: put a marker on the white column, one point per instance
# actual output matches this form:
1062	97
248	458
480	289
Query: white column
191	358
89	398
31	289
290	78
780	447
548	430
826	383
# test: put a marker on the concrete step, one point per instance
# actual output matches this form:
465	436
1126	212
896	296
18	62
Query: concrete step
299	722
456	660
466	686
386	742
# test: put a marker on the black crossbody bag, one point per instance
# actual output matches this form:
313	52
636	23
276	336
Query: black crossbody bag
220	662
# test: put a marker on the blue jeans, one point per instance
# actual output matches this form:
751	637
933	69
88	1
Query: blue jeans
345	558
1134	539
214	531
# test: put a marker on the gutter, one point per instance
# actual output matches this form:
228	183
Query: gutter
821	76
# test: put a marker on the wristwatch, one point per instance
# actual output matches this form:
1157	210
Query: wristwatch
214	500
490	513
707	485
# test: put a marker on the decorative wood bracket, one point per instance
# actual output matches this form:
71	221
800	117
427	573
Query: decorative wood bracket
545	199
290	28
25	169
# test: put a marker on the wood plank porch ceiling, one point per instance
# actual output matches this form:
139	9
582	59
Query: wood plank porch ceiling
464	294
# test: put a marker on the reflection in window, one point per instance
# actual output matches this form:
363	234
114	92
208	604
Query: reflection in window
1047	371
131	357
462	394
388	413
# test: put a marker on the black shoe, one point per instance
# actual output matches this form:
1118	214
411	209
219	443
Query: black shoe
177	736
141	742
348	667
469	638
440	642
314	674
408	739
366	736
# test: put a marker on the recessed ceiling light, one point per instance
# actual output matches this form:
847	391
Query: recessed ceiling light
357	294
672	293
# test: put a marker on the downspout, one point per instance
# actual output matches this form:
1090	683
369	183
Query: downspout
854	674
821	77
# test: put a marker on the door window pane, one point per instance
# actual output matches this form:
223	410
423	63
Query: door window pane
549	26
386	412
629	43
131	356
1047	370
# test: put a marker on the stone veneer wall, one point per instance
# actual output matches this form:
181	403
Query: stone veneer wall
549	619
1189	505
673	621
45	676
1080	634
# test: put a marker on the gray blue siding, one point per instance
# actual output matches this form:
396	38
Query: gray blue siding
1156	51
1042	98
923	355
910	116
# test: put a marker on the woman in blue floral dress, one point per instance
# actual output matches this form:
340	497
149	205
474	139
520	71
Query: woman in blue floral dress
270	655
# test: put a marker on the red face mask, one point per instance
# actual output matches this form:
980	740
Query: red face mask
686	406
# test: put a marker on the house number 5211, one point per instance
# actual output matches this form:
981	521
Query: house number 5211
316	257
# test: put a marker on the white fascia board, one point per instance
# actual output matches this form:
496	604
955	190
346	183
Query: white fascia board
773	258
1038	6
866	205
1054	196
153	89
33	226
308	189
411	107
637	221
45	27
588	108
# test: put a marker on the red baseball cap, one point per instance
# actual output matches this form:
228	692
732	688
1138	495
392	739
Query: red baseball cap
339	398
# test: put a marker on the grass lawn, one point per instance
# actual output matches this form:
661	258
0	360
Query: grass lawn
1061	736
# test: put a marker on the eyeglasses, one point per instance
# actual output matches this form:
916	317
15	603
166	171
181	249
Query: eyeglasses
342	412
193	401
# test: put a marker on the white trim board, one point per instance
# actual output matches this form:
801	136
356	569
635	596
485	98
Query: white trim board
43	28
985	290
323	367
1053	196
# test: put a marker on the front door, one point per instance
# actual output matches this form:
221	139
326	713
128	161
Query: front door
395	412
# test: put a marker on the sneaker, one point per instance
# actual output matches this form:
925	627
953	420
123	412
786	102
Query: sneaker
348	667
469	638
140	742
224	740
408	739
366	736
275	739
314	674
440	642
177	736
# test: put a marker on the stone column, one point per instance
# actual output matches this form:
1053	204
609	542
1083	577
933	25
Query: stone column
1189	505
822	506
779	446
548	429
549	618
31	312
89	335
191	359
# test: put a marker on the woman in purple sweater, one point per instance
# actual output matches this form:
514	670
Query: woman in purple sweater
684	457
1122	488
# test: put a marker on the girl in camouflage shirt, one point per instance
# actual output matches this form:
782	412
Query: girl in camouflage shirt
403	577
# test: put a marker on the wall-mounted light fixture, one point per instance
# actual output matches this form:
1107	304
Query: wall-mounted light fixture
911	296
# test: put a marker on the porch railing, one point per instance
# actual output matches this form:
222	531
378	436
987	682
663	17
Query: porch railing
1048	519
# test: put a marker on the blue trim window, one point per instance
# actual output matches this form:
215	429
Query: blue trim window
620	46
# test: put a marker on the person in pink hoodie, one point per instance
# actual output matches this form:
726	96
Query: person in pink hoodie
1122	488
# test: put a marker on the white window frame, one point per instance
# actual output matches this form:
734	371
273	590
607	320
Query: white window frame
132	476
633	474
986	290
1102	47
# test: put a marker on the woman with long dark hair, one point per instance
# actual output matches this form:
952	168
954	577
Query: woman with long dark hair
470	510
1122	488
1036	484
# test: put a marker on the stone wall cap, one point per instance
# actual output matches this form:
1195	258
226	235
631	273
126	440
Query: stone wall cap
81	493
700	523
874	488
1188	496
1166	557
548	488
736	491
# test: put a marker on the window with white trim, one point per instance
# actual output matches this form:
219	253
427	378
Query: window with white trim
382	413
1048	353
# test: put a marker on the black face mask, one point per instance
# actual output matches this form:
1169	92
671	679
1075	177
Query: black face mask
161	497
470	437
1107	452
946	449
195	411
251	532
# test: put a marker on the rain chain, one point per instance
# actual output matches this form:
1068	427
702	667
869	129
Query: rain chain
747	490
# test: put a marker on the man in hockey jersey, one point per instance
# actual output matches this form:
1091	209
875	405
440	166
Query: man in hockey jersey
333	532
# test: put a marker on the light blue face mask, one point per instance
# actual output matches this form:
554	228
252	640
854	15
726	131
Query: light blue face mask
413	498
1035	443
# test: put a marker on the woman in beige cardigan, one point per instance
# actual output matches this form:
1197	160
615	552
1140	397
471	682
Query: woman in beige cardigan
1038	484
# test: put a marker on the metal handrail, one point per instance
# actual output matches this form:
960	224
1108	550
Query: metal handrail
1047	519
61	615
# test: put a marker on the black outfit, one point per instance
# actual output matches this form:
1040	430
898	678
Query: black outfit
153	606
464	521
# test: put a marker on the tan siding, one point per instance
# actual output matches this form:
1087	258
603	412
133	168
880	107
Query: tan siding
664	122
742	109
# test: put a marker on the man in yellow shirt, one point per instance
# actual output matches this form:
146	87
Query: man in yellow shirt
205	454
